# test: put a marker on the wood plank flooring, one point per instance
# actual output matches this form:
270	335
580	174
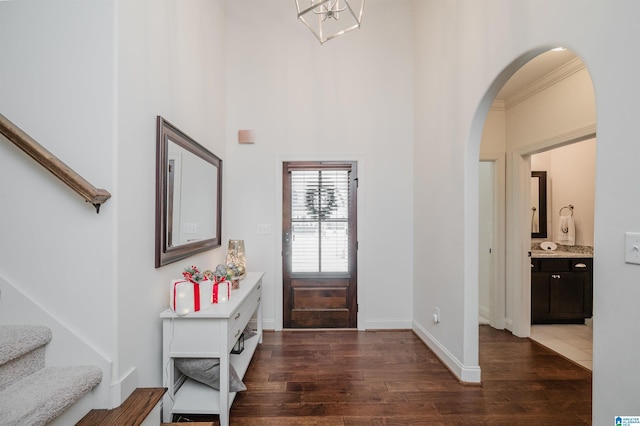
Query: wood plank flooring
391	378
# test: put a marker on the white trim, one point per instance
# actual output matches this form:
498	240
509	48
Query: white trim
518	236
387	324
465	373
497	105
497	312
567	138
124	387
271	324
518	242
543	83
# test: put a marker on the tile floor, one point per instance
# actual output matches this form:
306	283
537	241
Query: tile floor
574	341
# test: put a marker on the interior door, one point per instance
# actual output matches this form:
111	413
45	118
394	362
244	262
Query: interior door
319	243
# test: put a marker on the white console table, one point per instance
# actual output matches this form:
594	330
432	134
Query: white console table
210	333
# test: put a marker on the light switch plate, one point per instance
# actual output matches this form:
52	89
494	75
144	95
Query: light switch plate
189	228
264	229
632	247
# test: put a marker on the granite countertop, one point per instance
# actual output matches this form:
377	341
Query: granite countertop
561	251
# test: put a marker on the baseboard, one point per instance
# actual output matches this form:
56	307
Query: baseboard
266	324
508	324
123	388
380	324
465	373
484	314
387	324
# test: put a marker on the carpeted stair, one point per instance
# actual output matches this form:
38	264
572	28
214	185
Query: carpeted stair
31	393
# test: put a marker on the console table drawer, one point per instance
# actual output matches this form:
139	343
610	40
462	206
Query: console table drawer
241	316
185	342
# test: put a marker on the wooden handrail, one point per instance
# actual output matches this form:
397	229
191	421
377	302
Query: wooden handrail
52	163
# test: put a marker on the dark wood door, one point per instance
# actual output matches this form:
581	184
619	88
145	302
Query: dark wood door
319	243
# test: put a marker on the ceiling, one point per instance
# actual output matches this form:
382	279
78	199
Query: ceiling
534	70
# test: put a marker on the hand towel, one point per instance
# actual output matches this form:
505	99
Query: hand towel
566	231
535	228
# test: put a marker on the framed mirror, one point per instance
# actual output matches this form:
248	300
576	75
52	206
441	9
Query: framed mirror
538	204
188	196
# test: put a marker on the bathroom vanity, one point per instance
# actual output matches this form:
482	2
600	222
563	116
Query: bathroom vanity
561	287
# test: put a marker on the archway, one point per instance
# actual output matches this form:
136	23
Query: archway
525	110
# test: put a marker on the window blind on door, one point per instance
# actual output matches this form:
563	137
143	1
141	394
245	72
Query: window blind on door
320	220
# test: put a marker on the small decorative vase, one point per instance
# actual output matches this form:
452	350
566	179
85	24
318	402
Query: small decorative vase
236	259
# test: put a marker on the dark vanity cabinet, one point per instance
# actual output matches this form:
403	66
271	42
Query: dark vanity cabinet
561	290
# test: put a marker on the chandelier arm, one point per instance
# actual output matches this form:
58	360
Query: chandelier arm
357	18
310	8
346	30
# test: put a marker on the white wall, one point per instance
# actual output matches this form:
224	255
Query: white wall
350	98
477	46
57	84
87	80
170	63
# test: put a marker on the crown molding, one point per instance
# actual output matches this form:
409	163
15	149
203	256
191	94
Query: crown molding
497	105
543	83
576	135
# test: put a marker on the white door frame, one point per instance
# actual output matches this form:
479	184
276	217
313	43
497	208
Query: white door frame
518	242
497	307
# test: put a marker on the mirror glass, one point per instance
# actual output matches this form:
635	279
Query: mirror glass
188	196
538	204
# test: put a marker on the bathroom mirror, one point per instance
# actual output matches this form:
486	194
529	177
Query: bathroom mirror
188	196
538	204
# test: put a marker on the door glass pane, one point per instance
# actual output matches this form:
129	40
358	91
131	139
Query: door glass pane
320	220
335	247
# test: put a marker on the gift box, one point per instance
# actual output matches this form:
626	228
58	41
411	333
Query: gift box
189	296
221	291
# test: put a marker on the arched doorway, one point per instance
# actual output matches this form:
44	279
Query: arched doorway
542	88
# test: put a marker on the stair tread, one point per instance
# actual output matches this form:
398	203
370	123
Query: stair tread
45	394
133	411
17	340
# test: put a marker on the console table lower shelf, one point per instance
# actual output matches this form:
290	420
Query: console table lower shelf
194	397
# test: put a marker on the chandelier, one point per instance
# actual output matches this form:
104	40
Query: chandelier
328	19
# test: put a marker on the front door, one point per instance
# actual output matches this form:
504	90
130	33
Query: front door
319	245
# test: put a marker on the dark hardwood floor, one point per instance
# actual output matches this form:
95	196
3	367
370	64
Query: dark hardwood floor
392	378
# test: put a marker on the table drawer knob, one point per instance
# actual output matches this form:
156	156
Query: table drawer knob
237	316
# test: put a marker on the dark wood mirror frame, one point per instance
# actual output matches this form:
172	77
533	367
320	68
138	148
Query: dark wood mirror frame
542	204
166	252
